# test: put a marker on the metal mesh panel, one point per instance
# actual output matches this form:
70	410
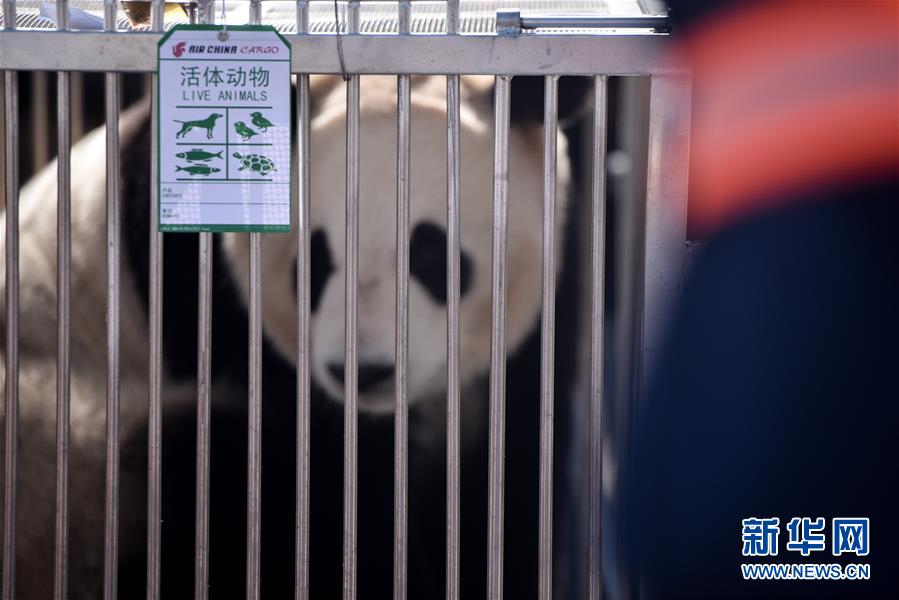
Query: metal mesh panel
478	17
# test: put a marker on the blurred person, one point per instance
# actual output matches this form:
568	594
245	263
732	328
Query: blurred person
776	392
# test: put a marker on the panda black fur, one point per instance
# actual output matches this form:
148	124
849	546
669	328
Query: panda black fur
427	459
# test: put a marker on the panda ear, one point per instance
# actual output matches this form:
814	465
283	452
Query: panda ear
527	96
320	86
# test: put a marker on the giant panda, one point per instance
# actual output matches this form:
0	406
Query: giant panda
376	335
427	378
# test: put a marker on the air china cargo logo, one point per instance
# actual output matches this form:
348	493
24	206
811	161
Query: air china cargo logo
181	48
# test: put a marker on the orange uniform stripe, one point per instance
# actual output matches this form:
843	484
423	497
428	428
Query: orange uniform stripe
790	97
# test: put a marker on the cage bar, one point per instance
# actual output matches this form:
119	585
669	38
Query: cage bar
597	331
497	427
666	208
351	389
419	54
204	374
548	337
63	289
453	276
401	417
113	246
11	395
204	382
254	456
154	415
303	307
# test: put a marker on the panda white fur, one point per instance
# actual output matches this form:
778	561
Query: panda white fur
36	449
427	379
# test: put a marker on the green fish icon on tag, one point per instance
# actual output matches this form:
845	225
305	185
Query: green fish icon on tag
198	169
198	154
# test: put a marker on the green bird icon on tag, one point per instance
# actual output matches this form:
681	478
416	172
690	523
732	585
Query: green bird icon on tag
260	121
243	131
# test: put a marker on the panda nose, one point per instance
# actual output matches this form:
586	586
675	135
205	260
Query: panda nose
370	375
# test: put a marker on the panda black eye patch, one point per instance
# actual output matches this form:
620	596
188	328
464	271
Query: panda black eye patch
321	266
427	261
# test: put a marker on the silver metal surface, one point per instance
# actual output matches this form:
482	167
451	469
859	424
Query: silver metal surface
453	280
542	54
303	308
508	22
204	383
254	456
513	21
597	252
113	246
594	22
254	451
626	181
11	396
63	264
666	208
350	385
497	442
379	16
401	418
154	416
452	16
204	374
548	338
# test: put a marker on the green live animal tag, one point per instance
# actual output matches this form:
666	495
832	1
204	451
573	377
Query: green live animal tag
224	129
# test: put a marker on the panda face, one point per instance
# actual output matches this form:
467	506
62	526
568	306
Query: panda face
376	291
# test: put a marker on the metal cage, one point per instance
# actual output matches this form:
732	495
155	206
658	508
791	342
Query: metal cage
624	40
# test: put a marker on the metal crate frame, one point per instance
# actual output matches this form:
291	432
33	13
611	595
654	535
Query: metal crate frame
435	39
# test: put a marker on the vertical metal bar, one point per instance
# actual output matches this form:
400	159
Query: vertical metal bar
154	426
498	340
113	238
204	372
401	435
452	16
254	451
548	336
303	308
596	335
350	425
2	137
453	406
627	206
11	397
204	377
666	208
63	263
